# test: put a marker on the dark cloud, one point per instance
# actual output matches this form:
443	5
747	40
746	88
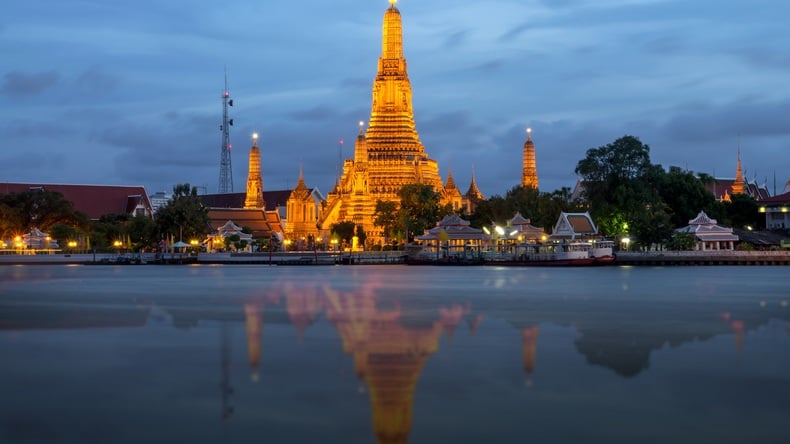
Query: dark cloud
515	31
455	39
746	118
25	84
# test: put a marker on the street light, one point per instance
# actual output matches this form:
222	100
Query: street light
626	241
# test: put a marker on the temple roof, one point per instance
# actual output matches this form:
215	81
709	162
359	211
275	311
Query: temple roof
571	225
518	219
705	229
473	192
93	200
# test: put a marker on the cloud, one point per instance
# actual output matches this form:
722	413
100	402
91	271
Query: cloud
95	81
26	84
455	39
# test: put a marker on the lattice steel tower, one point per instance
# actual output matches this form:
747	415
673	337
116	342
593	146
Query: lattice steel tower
225	169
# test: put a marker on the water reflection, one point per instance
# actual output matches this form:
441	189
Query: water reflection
391	334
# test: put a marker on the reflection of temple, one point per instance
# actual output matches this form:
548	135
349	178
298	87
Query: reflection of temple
387	355
529	345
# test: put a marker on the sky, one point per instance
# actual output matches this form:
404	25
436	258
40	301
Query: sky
129	93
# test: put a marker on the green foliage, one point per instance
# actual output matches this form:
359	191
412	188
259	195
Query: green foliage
19	212
619	183
343	231
742	211
686	195
184	216
386	217
681	242
420	208
361	235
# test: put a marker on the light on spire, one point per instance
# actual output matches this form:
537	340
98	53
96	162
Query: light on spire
254	136
392	2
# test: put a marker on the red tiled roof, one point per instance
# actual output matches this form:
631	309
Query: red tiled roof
721	186
779	199
92	200
272	199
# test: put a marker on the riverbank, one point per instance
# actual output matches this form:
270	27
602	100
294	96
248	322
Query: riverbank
653	258
722	257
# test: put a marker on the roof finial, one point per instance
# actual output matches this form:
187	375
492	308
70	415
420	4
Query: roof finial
361	127
254	139
529	134
392	3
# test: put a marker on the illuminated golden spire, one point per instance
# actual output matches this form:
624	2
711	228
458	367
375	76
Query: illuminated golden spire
254	197
529	172
392	132
737	185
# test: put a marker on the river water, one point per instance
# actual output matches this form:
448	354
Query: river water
387	354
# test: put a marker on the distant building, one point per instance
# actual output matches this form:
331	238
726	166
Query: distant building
94	200
777	211
724	188
159	200
574	226
302	213
708	235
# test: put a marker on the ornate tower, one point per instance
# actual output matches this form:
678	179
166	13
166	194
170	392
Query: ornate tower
529	172
737	185
254	182
451	193
389	155
473	196
302	214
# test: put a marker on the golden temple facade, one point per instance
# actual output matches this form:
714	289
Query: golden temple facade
389	154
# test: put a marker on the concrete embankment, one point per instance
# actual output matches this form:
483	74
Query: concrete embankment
704	258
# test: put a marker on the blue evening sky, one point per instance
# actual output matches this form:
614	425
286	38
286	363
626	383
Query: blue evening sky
105	92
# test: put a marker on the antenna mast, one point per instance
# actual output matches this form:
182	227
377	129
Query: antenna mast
225	169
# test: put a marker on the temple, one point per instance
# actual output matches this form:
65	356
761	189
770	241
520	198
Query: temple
254	198
529	172
389	154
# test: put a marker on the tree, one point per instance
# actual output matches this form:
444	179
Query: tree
361	235
19	212
743	212
420	208
685	195
184	215
344	231
617	184
386	217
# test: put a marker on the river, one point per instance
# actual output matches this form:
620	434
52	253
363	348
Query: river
367	354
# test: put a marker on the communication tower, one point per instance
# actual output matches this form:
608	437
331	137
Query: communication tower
225	169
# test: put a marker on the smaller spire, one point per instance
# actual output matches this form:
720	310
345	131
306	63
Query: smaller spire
392	3
529	134
254	139
361	127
